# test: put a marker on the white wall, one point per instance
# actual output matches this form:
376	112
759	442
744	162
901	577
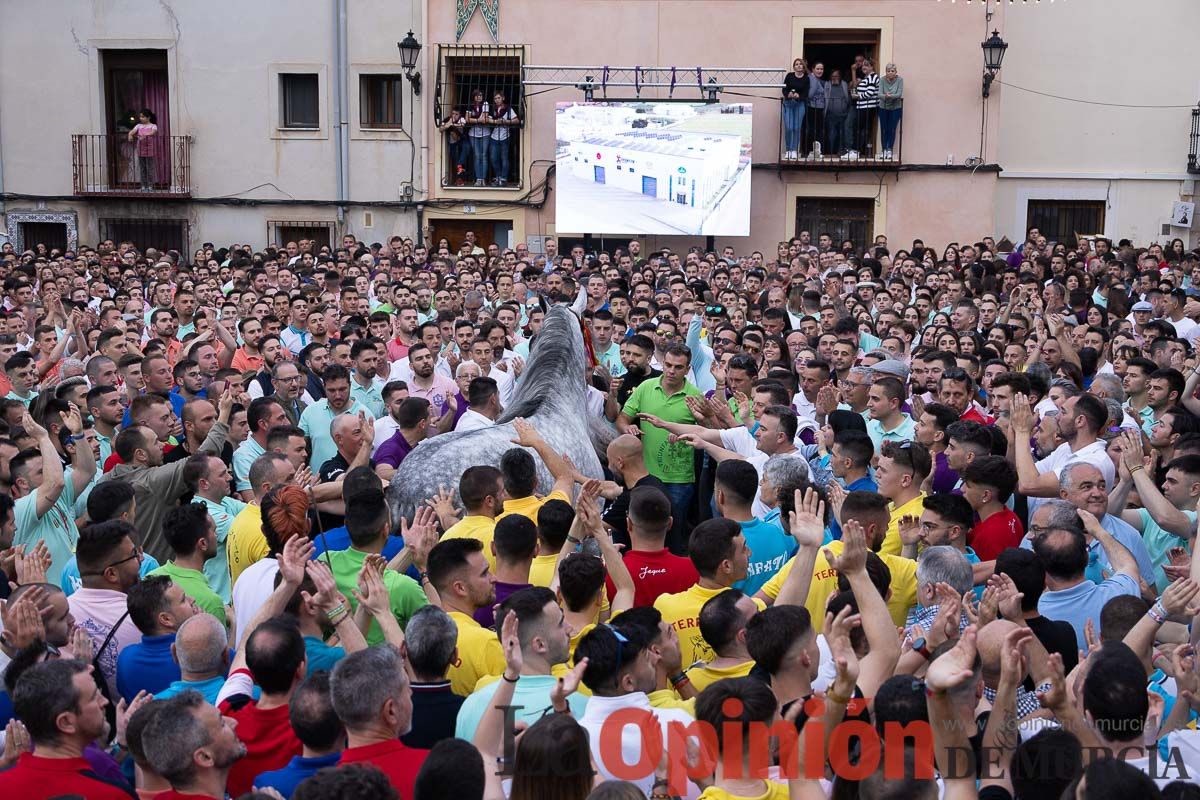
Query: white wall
223	59
1113	54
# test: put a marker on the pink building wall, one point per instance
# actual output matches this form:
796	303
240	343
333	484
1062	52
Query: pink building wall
936	47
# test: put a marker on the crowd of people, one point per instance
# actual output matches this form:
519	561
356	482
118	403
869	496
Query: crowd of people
874	522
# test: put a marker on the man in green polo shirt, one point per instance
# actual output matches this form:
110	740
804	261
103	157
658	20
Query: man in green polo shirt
190	532
209	478
367	523
671	462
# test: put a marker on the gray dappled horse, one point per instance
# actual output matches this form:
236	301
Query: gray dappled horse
550	394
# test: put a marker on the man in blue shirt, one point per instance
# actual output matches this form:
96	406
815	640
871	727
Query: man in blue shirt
770	548
319	730
1069	595
850	463
157	606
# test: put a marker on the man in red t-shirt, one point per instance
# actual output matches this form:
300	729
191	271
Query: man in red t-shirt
277	665
189	743
956	389
63	711
373	699
654	568
988	482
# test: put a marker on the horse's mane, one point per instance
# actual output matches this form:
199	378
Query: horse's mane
554	374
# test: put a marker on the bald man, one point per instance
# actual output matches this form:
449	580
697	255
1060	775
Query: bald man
626	463
353	435
990	643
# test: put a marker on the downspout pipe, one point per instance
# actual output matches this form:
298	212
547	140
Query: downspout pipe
342	112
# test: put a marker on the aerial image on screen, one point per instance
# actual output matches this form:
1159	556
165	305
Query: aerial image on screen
651	167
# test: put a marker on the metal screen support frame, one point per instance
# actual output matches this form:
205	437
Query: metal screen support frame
705	79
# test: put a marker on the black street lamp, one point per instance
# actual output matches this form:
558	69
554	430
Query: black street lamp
410	48
993	57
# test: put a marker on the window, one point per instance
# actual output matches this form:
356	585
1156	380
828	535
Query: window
490	69
161	234
300	102
380	101
842	218
320	233
1064	220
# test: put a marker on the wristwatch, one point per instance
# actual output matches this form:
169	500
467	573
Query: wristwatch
919	646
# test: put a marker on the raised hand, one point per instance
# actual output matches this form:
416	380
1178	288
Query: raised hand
327	596
954	667
836	493
910	529
72	420
1007	597
837	634
510	640
527	435
372	593
807	522
31	567
304	477
1021	415
653	420
690	439
81	645
17	741
918	406
827	401
296	553
717	372
1056	697
567	685
854	549
1181	598
23	623
945	625
1013	659
442	503
127	710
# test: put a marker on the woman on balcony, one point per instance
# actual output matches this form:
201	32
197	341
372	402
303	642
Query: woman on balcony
795	101
145	133
480	134
866	103
505	120
814	130
891	107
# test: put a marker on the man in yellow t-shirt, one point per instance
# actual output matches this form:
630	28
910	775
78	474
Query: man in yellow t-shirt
723	621
482	493
465	584
520	473
871	511
901	468
719	552
246	543
553	520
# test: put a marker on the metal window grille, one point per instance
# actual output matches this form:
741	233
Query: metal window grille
319	232
461	71
161	234
1066	220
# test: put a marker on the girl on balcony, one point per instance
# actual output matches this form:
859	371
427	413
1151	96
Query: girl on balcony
795	101
145	133
480	134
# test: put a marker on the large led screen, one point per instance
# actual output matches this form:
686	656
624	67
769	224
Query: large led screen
653	168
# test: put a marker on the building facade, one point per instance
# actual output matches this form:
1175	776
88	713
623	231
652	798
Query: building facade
252	102
267	133
963	165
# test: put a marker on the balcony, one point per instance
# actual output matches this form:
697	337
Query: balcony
106	165
1194	146
850	144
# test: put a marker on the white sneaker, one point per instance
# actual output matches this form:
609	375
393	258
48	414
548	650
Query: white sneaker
852	155
817	150
790	155
887	155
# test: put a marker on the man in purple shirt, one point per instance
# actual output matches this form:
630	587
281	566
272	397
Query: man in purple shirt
515	544
412	427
